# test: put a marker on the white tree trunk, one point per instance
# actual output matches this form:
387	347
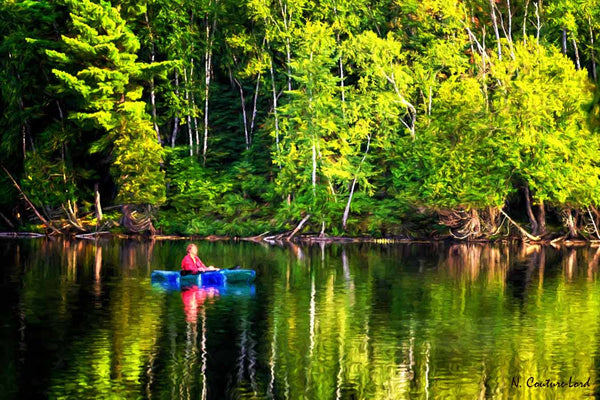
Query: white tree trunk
577	63
347	210
276	117
314	167
254	109
176	119
243	103
539	23
194	110
152	92
496	31
594	73
288	51
208	73
189	118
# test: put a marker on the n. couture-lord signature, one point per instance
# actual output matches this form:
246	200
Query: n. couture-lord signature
532	382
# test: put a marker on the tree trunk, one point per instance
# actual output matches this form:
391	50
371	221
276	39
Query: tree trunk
474	224
243	103
274	90
523	231
525	22
97	203
541	220
507	31
496	31
532	219
493	215
254	108
207	77
25	129
564	41
289	62
594	73
509	21
176	119
300	225
539	23
347	210
412	111
8	222
288	50
570	222
194	110
430	101
594	223
189	118
136	226
342	79
152	93
577	63
314	167
71	213
154	118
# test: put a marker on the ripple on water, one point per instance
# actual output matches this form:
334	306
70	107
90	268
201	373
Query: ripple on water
354	322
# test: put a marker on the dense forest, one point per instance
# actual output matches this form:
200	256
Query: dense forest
397	118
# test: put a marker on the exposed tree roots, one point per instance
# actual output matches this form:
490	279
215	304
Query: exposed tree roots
135	222
475	224
471	224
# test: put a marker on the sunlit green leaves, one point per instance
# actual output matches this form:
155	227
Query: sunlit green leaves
100	70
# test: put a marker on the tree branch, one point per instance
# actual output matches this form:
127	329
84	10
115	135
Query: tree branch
523	231
37	213
300	225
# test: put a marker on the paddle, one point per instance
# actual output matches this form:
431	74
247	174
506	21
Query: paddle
185	272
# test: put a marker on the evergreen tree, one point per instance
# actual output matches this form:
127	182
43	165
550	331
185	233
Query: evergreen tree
101	72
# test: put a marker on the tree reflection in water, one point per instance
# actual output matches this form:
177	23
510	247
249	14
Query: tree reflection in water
357	321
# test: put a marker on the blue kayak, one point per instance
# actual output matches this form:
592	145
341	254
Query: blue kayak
209	278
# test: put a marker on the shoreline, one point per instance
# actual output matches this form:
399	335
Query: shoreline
306	239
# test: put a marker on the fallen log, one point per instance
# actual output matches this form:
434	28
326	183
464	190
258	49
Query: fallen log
300	225
21	235
91	235
523	231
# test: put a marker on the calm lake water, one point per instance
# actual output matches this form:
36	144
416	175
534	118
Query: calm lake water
82	320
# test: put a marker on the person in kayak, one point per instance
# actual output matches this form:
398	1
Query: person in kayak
191	263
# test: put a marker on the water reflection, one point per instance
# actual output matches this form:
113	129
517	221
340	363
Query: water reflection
193	298
322	322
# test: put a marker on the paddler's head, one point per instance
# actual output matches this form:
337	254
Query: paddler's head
192	249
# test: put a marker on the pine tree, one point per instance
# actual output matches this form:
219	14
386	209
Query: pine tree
101	75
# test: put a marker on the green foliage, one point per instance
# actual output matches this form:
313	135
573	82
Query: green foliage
311	124
449	165
369	116
109	98
48	183
205	202
25	27
544	136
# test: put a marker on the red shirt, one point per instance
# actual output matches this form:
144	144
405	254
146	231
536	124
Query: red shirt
190	264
